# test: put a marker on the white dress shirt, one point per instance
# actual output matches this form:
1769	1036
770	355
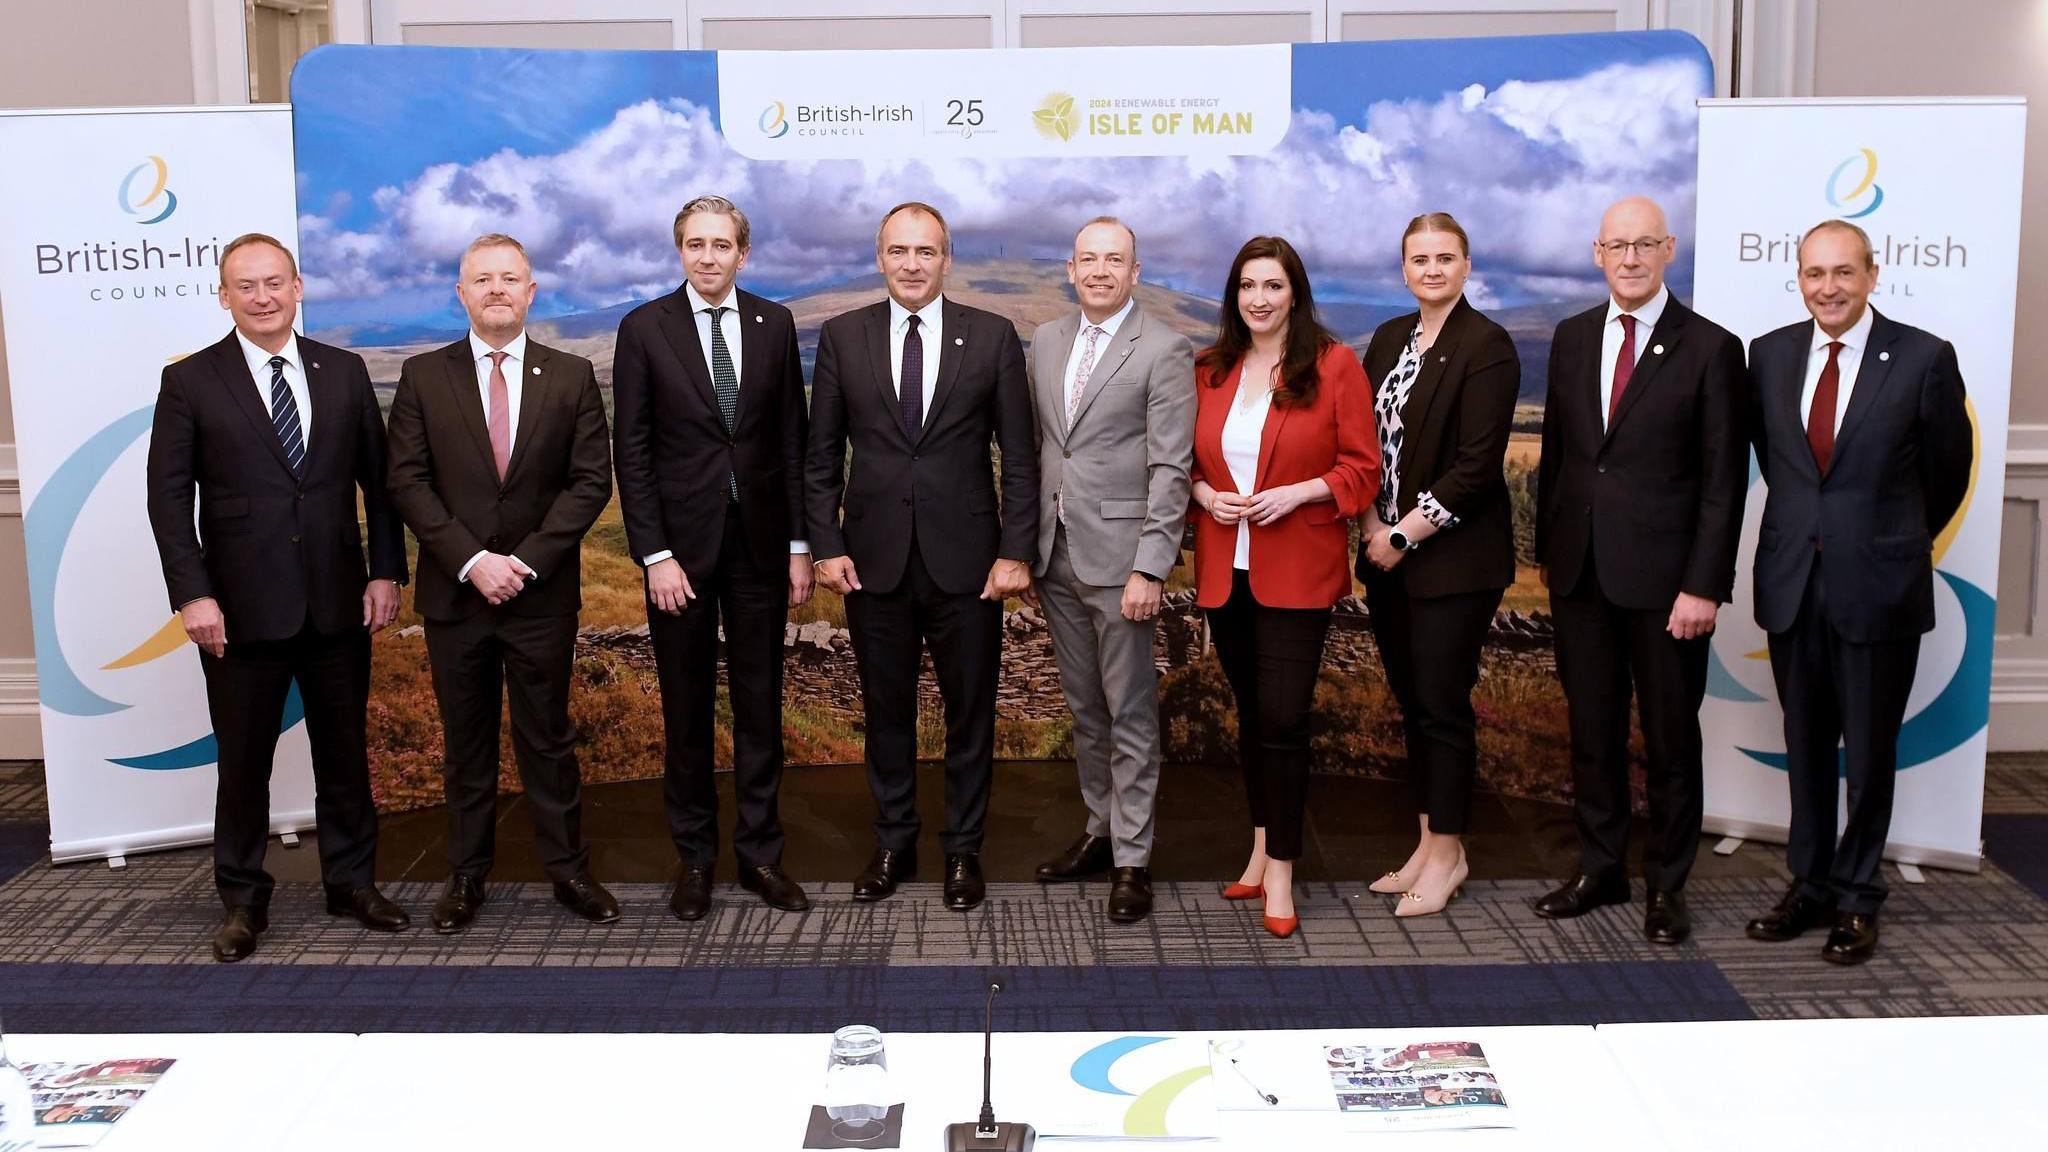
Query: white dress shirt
1854	341
730	327
1244	429
294	379
515	384
931	332
1611	339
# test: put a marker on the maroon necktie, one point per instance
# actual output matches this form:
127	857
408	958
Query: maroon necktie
499	418
1820	419
1624	363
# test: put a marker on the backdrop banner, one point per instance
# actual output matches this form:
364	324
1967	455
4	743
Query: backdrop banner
111	225
586	156
1936	184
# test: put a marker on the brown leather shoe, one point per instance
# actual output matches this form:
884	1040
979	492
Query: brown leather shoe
1853	940
1794	914
235	939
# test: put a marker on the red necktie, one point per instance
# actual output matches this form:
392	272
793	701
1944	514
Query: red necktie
1820	419
1624	363
499	418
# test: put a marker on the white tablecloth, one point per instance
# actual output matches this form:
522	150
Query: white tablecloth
227	1090
738	1093
1970	1082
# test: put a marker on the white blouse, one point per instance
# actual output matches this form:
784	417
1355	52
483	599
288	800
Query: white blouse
1243	430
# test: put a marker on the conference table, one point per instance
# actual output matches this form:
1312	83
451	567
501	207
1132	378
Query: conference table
1881	1084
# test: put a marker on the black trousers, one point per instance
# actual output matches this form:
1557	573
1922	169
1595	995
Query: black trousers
1605	655
245	695
755	608
1271	657
1429	646
965	636
1844	704
477	662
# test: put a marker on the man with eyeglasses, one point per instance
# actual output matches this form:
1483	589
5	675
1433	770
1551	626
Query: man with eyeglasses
1638	508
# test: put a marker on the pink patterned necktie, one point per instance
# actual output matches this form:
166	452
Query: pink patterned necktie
500	416
1081	375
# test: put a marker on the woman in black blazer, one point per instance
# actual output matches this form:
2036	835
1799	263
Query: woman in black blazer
1438	546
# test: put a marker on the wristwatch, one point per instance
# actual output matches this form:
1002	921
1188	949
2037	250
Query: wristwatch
1398	540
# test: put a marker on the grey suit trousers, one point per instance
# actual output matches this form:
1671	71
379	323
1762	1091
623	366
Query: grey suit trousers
1112	688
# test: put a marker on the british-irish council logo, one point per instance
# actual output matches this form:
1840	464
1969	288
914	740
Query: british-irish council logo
1852	181
48	525
157	201
1147	1114
1054	117
775	120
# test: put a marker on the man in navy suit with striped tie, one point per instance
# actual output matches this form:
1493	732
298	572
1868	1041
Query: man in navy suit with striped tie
272	436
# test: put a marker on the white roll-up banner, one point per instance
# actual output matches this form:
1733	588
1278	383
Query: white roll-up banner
111	225
1936	184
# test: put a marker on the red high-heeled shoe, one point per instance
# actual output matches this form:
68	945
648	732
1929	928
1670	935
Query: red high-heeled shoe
1280	926
1237	891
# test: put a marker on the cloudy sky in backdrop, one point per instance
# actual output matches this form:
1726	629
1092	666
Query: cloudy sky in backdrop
405	155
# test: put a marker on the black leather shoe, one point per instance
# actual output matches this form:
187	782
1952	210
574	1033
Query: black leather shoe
1581	894
368	907
1667	920
586	898
692	896
1086	857
235	939
964	887
1854	939
458	904
775	888
886	869
1130	894
1793	916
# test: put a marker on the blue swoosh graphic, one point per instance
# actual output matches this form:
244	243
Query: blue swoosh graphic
1091	1070
1960	710
47	527
206	749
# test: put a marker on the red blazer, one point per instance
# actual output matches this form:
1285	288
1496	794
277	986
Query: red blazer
1302	560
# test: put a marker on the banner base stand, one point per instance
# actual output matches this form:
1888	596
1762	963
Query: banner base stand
1911	874
116	851
288	839
1904	855
1728	845
117	862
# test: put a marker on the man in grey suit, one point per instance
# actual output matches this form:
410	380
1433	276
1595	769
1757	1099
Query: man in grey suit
1115	397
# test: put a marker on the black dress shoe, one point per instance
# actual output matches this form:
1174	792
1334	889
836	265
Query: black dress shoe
692	896
586	898
1667	920
1581	894
458	904
235	939
964	888
774	888
368	907
1086	857
886	869
1854	939
1130	894
1793	915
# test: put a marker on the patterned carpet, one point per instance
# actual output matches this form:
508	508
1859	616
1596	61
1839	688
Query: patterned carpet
86	948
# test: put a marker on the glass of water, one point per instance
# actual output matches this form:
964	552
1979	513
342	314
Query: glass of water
857	1096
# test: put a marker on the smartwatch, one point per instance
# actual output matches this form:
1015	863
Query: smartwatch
1398	540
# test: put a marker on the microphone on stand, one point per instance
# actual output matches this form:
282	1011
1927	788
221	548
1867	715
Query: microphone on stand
986	1134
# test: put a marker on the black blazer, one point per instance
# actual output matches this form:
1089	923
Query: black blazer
444	481
671	448
1454	438
1900	469
1655	499
274	550
940	485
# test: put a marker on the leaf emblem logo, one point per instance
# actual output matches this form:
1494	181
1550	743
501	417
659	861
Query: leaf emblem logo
1055	117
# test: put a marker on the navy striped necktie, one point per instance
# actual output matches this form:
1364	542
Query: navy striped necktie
284	418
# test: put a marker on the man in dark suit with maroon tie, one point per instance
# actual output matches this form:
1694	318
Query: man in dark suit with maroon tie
1863	433
500	462
1639	505
272	435
708	435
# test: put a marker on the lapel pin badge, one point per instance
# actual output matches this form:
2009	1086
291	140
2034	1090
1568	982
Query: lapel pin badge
959	340
316	363
536	370
1656	349
1880	356
757	318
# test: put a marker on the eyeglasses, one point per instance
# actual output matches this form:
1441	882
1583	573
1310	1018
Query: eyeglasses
1643	247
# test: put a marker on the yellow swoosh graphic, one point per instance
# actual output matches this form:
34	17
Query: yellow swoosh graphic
168	639
1147	1115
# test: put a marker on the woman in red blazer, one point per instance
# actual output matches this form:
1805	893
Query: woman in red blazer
1285	457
